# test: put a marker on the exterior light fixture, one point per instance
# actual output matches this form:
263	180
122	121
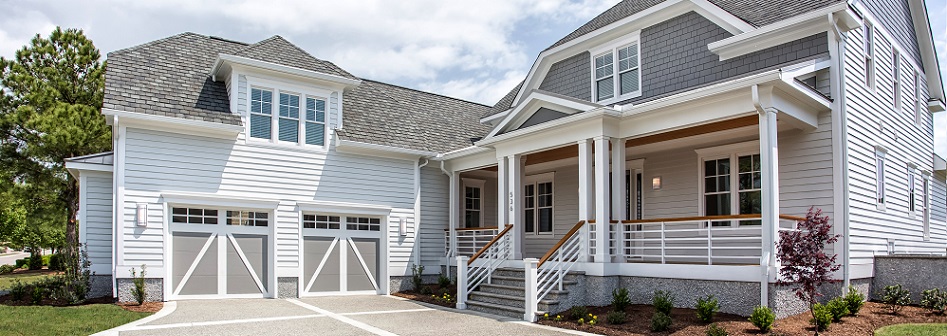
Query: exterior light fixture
141	215
403	226
656	183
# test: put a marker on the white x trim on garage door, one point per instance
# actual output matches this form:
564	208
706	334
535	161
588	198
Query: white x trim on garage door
342	254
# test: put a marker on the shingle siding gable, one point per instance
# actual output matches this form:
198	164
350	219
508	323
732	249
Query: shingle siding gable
570	77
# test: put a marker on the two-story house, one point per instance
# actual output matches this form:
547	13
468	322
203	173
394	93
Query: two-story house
661	145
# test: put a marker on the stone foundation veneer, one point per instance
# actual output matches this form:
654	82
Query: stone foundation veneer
915	273
154	290
99	286
287	288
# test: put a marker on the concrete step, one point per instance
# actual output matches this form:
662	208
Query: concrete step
495	309
516	290
506	300
507	281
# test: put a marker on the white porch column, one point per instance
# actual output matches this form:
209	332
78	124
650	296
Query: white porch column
502	195
618	192
769	159
454	206
515	203
585	189
602	213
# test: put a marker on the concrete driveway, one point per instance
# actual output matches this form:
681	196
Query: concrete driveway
339	315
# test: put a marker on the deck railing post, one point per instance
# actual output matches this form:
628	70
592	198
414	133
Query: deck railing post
530	266
710	246
663	244
462	282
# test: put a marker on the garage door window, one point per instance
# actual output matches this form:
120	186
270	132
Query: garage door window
363	223
248	218
193	216
321	222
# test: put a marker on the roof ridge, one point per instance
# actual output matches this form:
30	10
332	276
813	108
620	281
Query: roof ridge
310	55
425	92
169	38
227	40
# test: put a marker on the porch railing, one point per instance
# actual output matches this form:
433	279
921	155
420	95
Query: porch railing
469	240
710	240
473	271
548	272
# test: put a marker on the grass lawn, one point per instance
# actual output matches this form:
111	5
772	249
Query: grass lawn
7	279
79	320
913	330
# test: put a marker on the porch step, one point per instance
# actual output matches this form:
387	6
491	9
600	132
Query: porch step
506	300
495	309
517	290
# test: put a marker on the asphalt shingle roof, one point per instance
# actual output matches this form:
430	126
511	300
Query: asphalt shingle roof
391	115
506	102
280	51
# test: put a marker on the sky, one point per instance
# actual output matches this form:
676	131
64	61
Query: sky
451	47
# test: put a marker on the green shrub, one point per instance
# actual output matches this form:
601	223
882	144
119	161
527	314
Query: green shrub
7	269
838	308
715	330
417	271
616	317
854	300
21	263
620	299
443	281
18	290
663	302
660	322
139	280
821	317
426	290
57	262
36	294
36	263
763	318
46	258
707	308
935	300
895	297
577	312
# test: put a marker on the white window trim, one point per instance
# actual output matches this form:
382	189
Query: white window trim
919	106
911	185
896	79
926	189
612	47
473	183
732	152
880	178
303	92
536	179
868	48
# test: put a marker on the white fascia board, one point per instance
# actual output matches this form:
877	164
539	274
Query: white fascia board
935	106
177	125
344	208
925	42
487	120
221	58
697	94
211	199
82	166
380	150
724	19
595	113
939	163
781	32
575	105
461	153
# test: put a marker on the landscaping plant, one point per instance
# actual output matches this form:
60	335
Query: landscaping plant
707	308
620	299
715	330
443	281
838	308
139	280
578	312
663	302
805	265
854	300
417	271
935	300
616	317
660	322
821	317
895	297
763	318
6	269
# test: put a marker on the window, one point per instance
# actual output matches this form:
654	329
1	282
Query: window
193	216
473	202
363	223
896	75
927	207
247	218
918	98
912	191
315	121
727	190
717	189
261	108
538	207
880	178
321	222
869	55
288	117
617	72
749	183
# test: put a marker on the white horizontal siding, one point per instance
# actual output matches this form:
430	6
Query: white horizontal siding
435	216
97	220
873	121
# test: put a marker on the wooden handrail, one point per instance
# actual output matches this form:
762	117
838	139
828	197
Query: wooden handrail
492	241
575	228
475	228
708	218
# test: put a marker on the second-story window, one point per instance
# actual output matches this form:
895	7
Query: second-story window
315	121
616	72
261	109
288	117
869	55
298	118
918	99
896	78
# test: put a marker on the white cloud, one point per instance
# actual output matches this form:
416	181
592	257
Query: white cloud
938	9
484	90
18	28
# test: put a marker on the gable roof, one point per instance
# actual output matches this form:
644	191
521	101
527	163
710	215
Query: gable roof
168	77
278	50
506	102
391	115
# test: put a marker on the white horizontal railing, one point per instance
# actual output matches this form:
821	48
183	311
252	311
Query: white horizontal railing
469	240
717	240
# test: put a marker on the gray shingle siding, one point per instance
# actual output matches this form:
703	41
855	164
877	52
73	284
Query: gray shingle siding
895	16
674	56
570	77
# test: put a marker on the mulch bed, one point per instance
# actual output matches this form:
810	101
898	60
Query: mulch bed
428	298
147	307
43	271
871	317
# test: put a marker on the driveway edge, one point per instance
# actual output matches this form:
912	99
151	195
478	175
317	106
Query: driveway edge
166	310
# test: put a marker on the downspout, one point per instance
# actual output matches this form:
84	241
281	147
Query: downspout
115	219
450	207
417	211
840	114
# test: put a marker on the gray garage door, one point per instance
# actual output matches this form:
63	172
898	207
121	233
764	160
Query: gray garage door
219	253
341	254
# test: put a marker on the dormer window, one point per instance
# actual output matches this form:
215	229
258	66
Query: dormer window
617	73
261	109
299	118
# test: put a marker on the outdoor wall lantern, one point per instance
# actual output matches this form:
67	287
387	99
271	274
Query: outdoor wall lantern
656	183
141	215
403	226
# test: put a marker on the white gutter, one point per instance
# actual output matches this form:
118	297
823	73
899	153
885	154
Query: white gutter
461	153
174	122
594	113
382	148
628	110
